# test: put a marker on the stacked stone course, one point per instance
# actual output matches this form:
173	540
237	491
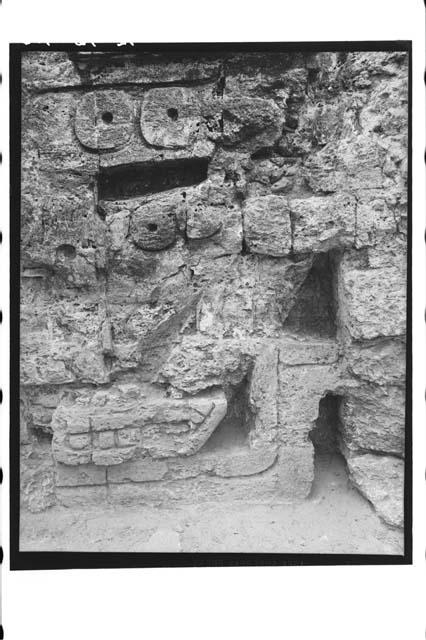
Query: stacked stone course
211	245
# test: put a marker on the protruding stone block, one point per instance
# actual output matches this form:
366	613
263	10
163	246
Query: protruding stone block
267	226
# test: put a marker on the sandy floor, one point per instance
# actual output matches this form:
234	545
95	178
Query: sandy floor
334	519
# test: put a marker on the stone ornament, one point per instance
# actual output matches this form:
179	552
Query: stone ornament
170	117
104	120
153	229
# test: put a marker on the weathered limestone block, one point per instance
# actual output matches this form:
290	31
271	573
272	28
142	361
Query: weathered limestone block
137	153
295	469
235	463
200	489
267	226
152	423
47	70
37	477
391	253
322	223
386	111
245	463
225	309
382	363
372	302
278	284
122	67
82	496
80	441
365	68
381	480
200	362
60	342
49	130
70	476
263	396
40	404
104	120
252	122
212	219
55	226
300	389
113	456
305	352
54	361
351	165
139	470
171	117
148	321
375	218
373	418
279	74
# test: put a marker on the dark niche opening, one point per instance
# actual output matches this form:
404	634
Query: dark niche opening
42	435
66	251
325	435
233	431
131	181
330	469
314	312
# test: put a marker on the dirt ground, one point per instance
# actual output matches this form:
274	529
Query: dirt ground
334	519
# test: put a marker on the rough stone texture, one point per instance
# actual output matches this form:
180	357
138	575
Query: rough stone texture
381	480
212	245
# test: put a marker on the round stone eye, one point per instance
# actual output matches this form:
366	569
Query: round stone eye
104	120
153	228
170	117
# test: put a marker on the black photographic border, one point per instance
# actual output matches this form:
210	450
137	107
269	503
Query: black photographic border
25	560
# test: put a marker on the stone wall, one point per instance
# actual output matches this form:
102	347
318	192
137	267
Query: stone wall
211	245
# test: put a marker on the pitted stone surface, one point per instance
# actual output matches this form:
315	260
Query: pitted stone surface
153	227
267	226
211	248
171	117
104	120
124	420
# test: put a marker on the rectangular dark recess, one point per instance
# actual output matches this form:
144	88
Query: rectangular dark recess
314	312
131	181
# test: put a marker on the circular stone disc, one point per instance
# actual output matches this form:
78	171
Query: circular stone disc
104	120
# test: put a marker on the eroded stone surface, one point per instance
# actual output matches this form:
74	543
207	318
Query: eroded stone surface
381	480
211	247
104	120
